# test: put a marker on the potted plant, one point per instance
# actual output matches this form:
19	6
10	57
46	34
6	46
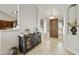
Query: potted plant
73	26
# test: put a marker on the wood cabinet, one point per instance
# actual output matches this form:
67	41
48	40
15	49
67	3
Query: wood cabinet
6	24
27	42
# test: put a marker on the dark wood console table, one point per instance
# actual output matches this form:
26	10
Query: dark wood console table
28	42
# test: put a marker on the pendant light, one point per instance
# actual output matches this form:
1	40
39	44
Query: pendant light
51	16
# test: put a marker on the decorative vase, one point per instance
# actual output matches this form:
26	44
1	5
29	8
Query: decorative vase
13	51
73	30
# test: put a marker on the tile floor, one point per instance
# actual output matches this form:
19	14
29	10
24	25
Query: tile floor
49	47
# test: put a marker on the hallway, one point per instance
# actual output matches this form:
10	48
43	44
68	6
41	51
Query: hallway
49	47
33	18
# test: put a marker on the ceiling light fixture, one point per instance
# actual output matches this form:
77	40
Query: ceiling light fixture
51	16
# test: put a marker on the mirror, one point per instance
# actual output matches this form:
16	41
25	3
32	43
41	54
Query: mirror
42	24
72	19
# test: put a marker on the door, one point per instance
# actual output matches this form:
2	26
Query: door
54	28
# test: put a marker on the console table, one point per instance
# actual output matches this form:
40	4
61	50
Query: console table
28	42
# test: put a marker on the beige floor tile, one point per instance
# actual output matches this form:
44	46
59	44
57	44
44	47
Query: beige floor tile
49	47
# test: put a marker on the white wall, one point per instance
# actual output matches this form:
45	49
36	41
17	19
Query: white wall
27	17
0	42
41	15
71	42
9	39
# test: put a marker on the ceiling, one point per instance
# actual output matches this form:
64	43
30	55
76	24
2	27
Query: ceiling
57	9
8	9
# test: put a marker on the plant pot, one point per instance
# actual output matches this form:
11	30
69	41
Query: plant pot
73	30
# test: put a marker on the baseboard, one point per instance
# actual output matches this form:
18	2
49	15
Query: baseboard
71	51
4	53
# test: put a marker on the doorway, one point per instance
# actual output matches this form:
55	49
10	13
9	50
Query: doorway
54	27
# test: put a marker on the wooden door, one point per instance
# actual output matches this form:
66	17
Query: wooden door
54	28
